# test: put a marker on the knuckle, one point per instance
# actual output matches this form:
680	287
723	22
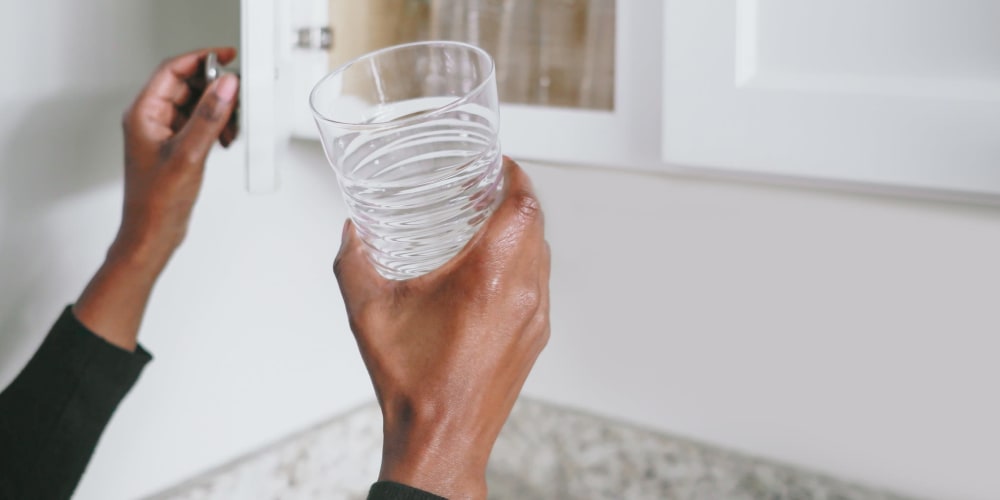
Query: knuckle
190	156
529	299
344	264
540	322
166	150
527	205
543	338
338	265
536	334
209	109
343	261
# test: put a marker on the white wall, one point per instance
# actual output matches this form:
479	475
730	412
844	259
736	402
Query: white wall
851	334
246	326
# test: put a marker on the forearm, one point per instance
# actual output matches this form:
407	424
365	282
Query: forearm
113	303
54	412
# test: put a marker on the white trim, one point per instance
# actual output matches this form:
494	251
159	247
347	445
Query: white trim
258	104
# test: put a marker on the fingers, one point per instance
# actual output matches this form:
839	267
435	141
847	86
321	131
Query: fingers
355	273
169	82
170	88
208	119
228	136
231	131
519	217
520	202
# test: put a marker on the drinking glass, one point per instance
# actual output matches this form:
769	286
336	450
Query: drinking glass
411	132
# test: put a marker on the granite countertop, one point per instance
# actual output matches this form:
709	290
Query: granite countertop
544	452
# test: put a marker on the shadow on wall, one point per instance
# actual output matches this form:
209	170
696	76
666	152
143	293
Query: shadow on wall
64	138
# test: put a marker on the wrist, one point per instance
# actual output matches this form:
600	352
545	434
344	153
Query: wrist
430	455
114	300
112	304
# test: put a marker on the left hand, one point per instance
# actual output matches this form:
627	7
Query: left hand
169	131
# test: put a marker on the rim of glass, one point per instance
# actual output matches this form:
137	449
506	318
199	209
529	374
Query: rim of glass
422	116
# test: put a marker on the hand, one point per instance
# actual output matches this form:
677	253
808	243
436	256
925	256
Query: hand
169	131
448	352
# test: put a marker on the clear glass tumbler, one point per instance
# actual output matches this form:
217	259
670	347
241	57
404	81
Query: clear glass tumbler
411	132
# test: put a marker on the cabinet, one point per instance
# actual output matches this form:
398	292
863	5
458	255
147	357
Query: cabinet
889	95
877	93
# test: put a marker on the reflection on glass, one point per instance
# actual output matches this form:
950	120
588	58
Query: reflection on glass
548	52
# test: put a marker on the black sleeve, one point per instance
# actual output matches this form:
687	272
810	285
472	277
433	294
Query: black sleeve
53	413
388	490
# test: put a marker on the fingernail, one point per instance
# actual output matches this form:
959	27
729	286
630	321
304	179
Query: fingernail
227	87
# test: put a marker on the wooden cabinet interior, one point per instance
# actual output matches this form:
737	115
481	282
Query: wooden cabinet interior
557	53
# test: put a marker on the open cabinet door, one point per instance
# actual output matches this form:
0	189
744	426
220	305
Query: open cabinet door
578	80
260	121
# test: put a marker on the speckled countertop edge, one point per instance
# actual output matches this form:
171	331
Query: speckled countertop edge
545	451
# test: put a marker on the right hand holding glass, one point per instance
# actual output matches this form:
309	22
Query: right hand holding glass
448	352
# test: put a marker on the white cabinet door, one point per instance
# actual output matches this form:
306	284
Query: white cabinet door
263	124
881	92
282	56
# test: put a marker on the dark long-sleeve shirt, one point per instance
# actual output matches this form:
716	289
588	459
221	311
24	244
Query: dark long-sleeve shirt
53	413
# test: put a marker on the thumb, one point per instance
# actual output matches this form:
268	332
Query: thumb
355	271
209	118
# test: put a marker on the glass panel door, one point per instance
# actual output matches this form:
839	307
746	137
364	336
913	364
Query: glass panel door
553	53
